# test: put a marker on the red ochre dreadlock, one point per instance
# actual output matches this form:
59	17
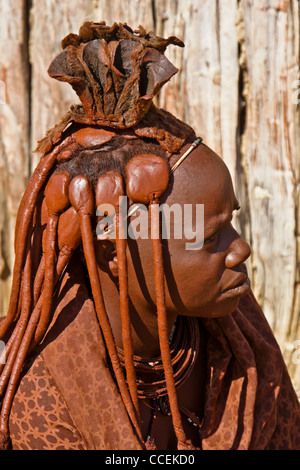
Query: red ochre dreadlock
116	72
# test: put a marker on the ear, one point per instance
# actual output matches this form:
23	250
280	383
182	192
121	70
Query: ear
106	256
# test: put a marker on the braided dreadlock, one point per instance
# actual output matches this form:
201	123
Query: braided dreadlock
91	156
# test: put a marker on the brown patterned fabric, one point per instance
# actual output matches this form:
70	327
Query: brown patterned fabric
73	354
250	402
41	419
67	398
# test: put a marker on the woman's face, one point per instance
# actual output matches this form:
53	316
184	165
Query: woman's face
209	281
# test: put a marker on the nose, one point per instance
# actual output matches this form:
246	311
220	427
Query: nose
238	252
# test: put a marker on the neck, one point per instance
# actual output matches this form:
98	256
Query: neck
143	318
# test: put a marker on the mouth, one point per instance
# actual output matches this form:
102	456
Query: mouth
238	288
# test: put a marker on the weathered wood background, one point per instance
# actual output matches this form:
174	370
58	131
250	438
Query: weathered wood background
238	86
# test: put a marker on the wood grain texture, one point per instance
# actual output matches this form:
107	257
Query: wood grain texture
236	85
272	155
14	125
51	21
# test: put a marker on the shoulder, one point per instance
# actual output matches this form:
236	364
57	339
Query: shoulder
39	418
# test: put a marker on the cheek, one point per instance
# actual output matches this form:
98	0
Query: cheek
141	272
193	280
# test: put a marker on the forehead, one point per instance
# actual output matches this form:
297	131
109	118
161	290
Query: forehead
202	178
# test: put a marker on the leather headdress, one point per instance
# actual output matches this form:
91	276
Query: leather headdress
115	71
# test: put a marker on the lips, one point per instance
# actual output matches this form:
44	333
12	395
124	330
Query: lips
240	286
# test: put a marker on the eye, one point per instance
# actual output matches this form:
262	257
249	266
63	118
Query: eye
219	232
211	239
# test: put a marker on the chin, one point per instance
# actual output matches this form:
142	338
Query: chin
217	311
217	308
227	307
221	309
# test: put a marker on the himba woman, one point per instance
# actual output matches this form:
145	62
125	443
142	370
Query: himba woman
133	343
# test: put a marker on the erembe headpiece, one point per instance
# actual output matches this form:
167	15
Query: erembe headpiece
116	72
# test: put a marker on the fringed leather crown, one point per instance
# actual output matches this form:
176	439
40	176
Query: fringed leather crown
114	70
